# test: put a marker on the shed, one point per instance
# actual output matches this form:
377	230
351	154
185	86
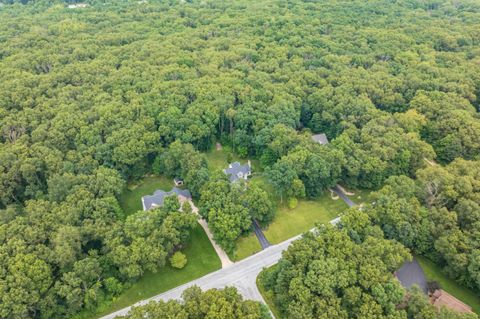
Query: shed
320	138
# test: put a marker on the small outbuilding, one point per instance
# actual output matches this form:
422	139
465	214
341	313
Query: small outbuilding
236	171
178	181
320	138
158	197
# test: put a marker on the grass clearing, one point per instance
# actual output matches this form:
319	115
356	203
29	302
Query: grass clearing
131	198
291	222
362	196
435	273
201	257
218	160
246	246
201	260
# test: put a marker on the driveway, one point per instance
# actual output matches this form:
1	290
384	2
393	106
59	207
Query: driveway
343	196
260	235
241	275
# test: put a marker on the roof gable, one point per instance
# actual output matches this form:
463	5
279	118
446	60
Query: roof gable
236	171
158	197
320	138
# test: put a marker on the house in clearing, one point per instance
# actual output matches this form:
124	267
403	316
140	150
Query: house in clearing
236	171
320	138
411	273
156	200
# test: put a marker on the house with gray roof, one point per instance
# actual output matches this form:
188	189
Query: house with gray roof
320	138
236	171
156	200
411	273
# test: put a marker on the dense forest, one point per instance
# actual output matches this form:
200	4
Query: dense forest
347	273
222	304
93	97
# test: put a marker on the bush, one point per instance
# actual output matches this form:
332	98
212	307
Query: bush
242	151
292	202
178	260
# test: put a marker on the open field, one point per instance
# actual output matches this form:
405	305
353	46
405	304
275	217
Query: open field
202	260
131	198
435	273
291	222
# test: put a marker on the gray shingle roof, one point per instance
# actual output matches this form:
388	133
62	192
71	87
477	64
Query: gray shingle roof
156	200
320	138
411	273
237	171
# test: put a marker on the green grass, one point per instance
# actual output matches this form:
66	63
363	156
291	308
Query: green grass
131	198
217	160
202	260
434	273
361	196
268	294
290	222
246	246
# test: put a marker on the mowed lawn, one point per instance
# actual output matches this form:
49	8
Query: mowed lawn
361	196
291	222
202	260
201	257
435	273
131	199
218	160
246	246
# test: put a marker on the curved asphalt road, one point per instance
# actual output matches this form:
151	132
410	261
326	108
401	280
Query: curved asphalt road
242	274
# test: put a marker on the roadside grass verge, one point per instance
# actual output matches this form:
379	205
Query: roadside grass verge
268	294
201	257
201	260
291	222
246	246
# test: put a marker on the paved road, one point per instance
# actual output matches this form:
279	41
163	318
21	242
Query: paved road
242	275
260	235
343	196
